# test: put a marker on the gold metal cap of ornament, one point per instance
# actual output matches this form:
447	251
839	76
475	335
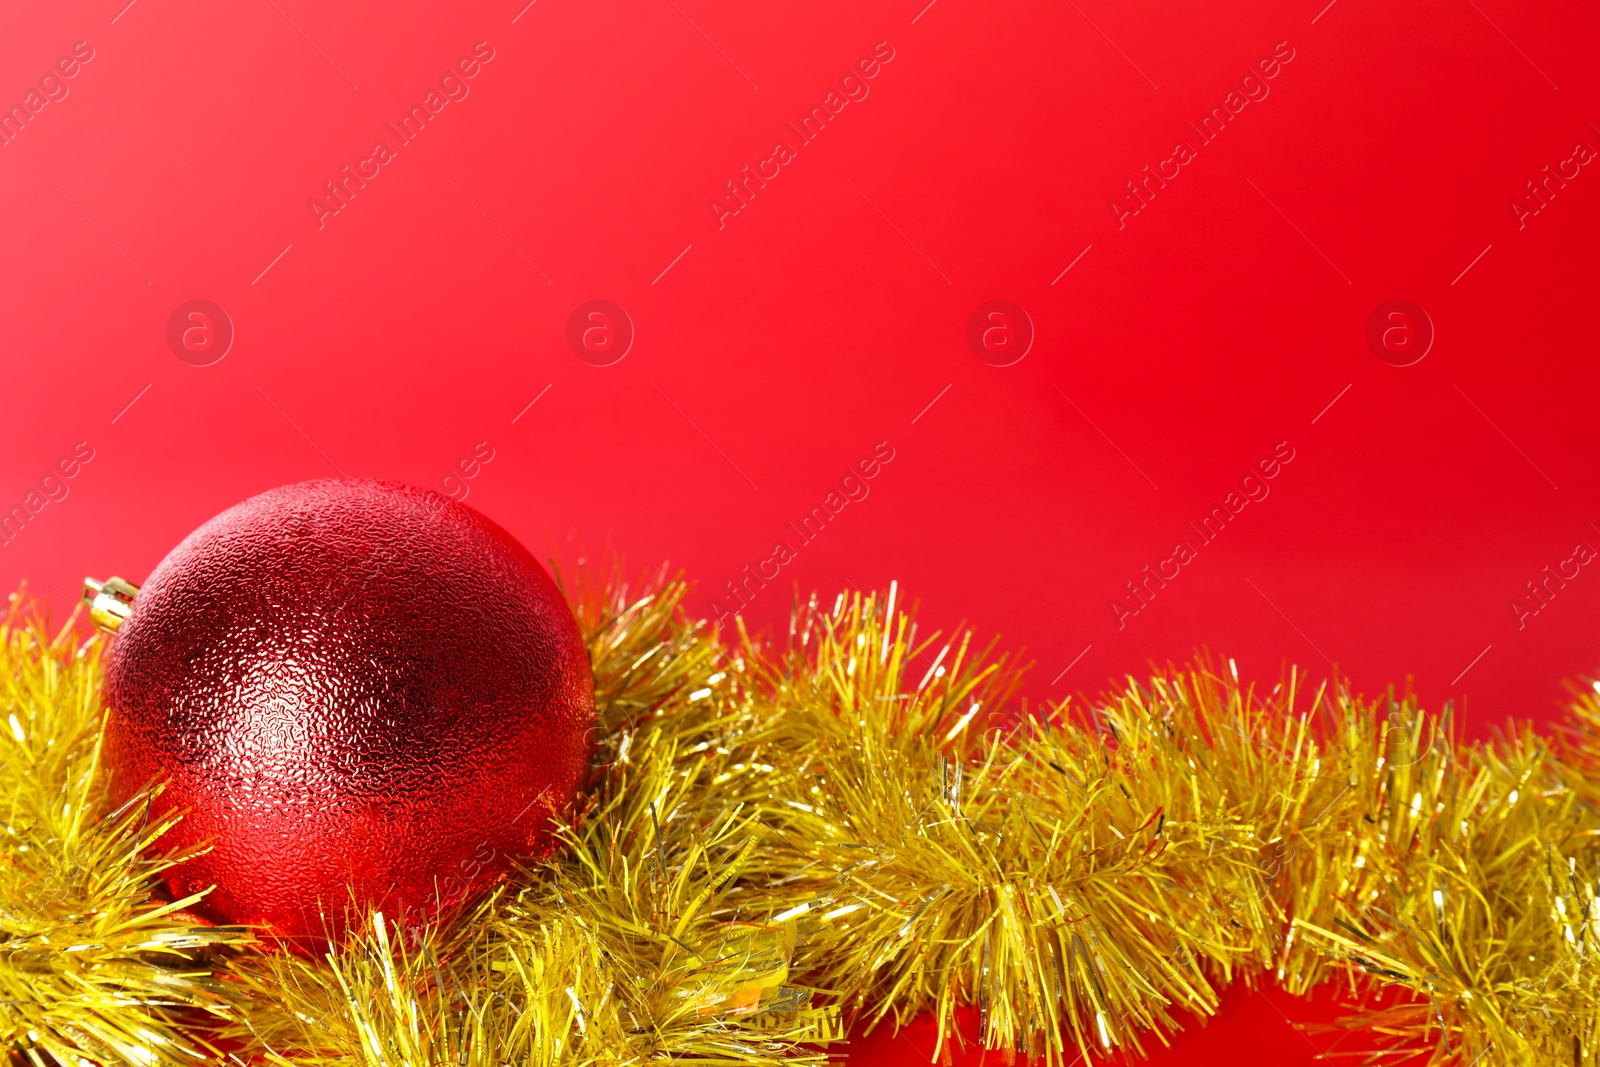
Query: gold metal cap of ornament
110	602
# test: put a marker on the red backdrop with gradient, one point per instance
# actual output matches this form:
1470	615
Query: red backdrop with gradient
1180	332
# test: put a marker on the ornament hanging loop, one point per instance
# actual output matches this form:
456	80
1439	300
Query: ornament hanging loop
110	602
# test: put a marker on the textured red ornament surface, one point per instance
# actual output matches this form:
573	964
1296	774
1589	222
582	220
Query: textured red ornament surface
351	686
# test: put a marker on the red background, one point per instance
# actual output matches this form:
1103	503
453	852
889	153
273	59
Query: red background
825	316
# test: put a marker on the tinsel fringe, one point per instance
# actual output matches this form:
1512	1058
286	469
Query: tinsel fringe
788	839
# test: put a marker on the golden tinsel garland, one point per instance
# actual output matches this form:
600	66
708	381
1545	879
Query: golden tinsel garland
852	823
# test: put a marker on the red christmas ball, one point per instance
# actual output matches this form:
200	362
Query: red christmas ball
352	687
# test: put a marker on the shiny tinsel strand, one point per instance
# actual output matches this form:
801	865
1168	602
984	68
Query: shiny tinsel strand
856	825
